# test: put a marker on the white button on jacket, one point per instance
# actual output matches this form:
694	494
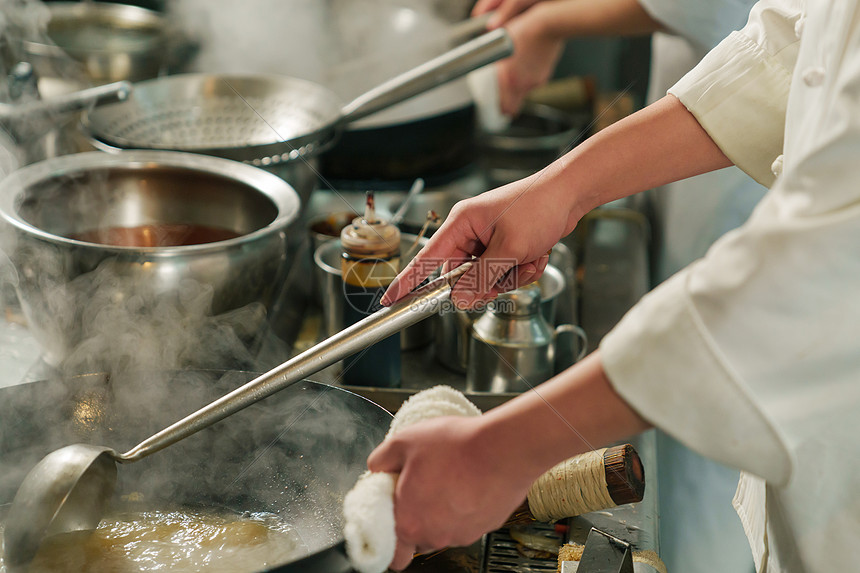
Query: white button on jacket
751	355
776	166
798	26
814	76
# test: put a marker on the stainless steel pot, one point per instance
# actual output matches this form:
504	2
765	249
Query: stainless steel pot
108	41
538	136
48	208
513	348
454	328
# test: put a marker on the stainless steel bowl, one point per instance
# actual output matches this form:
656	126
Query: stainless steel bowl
49	209
109	41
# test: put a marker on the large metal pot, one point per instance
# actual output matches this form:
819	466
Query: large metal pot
66	281
295	454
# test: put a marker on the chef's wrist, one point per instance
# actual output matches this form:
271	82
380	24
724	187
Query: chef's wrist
568	190
509	444
548	22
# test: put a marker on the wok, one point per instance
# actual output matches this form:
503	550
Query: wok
295	454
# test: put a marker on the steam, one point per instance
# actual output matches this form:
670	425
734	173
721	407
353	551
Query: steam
348	46
127	326
153	351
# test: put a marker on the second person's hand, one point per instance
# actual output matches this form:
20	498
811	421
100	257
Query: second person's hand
504	10
536	49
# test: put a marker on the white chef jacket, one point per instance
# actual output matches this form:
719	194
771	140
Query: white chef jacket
699	530
751	355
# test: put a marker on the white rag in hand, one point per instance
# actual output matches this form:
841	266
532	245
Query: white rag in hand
484	86
369	507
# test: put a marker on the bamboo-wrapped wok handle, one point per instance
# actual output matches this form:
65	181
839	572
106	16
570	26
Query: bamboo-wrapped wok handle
588	482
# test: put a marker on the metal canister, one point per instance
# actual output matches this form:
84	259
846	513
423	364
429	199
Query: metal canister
371	260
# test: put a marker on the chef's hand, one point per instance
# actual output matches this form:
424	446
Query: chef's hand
536	49
455	484
536	53
510	229
504	10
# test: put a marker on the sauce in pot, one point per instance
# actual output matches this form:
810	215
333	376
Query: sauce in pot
177	541
160	235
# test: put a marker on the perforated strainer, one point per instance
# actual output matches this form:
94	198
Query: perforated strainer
265	119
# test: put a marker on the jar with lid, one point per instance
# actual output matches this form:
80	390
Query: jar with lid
370	262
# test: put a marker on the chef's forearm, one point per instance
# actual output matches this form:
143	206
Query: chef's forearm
564	19
657	145
575	412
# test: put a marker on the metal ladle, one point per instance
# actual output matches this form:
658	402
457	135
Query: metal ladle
69	488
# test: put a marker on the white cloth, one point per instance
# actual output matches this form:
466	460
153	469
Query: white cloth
368	508
484	87
749	356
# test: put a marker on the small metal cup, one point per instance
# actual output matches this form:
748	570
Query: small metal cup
321	230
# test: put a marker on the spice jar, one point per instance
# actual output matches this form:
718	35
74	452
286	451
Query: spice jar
371	261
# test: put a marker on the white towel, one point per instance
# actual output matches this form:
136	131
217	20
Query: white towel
484	86
369	507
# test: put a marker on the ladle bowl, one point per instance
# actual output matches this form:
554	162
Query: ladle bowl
66	491
69	488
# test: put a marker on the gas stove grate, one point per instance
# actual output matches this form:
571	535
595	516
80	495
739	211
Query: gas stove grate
501	555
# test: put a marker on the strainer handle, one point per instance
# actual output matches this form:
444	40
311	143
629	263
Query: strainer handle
66	103
483	50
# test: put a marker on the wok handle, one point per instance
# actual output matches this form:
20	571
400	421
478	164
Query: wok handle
592	481
483	50
413	308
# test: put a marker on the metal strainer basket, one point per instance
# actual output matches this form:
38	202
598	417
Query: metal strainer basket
239	117
265	119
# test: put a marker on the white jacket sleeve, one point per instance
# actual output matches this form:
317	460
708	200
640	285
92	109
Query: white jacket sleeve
674	357
738	93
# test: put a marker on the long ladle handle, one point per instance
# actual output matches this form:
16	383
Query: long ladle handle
451	65
411	309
